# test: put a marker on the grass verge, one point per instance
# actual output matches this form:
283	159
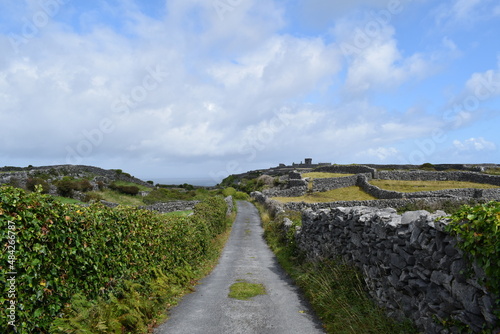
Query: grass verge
334	289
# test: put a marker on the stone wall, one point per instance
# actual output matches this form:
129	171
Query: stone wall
436	202
375	191
171	206
288	192
349	169
411	266
334	183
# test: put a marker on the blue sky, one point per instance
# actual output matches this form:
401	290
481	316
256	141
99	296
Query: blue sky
193	89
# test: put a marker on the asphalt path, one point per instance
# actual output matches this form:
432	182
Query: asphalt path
246	257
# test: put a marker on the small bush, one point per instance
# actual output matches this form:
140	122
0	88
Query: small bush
127	190
239	195
31	183
65	187
101	185
478	228
229	191
427	166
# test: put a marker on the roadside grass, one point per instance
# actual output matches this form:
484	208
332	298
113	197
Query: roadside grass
244	290
324	175
334	289
354	193
414	186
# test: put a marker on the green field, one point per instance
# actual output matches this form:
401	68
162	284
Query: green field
324	175
414	186
343	194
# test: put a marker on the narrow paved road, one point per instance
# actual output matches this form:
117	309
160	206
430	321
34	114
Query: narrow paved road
246	256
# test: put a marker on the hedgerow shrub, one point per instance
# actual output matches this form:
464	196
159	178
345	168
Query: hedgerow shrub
72	260
478	231
67	185
127	190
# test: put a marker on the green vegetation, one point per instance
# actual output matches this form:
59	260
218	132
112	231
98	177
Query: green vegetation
493	171
68	184
100	270
478	229
244	290
237	195
131	184
250	183
179	213
343	194
324	175
32	182
335	289
120	198
175	194
414	186
427	166
125	189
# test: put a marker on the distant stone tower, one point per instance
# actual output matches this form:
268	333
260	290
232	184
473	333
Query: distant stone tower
308	161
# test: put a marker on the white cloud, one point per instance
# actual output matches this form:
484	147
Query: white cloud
468	12
375	62
474	144
380	153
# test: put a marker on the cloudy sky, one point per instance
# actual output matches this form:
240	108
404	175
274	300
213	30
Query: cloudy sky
199	89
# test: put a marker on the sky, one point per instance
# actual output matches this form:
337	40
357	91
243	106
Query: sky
196	90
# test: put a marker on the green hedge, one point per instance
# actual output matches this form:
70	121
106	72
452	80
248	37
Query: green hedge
478	229
65	253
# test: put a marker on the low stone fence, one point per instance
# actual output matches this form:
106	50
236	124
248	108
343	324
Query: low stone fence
165	207
349	169
288	192
411	266
396	203
375	191
335	183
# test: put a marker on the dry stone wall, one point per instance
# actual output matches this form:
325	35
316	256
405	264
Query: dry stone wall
440	176
334	183
411	266
166	207
349	169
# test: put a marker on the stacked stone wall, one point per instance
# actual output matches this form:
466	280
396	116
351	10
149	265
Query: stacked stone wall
375	191
289	192
412	267
334	183
166	207
349	169
396	203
